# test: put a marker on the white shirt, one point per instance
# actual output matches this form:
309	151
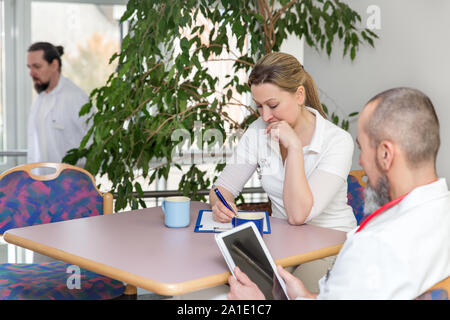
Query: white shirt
399	254
54	126
327	161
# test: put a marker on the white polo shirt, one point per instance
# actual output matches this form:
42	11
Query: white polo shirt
330	151
399	254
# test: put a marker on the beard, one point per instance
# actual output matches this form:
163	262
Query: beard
41	87
376	197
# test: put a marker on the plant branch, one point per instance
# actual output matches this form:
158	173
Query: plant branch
223	94
174	116
283	10
272	26
230	59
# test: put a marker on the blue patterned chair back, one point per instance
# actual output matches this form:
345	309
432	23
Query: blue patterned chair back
26	201
355	194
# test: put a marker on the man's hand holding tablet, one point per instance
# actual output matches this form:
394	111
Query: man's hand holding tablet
243	247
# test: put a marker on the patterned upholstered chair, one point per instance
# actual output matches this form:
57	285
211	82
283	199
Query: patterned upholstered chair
27	199
355	194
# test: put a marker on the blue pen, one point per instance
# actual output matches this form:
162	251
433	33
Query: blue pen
219	195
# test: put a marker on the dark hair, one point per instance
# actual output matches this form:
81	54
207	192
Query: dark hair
406	116
285	71
51	52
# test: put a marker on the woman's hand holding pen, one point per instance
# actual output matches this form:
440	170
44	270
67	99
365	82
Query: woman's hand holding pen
222	213
223	210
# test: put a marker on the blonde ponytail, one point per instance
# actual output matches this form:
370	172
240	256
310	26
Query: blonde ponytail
312	96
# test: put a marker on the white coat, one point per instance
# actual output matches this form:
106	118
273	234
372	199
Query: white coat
54	126
399	254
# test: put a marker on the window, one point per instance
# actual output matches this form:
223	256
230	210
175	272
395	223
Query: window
8	110
2	80
89	33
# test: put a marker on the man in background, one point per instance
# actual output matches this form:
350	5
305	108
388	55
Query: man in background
54	126
402	248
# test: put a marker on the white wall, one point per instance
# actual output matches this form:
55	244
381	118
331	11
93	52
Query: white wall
295	46
413	50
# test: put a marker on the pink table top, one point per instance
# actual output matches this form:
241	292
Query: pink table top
137	248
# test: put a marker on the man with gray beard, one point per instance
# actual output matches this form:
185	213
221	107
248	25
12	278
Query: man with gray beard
376	197
403	247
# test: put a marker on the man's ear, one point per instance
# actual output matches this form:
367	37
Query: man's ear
301	95
55	64
385	154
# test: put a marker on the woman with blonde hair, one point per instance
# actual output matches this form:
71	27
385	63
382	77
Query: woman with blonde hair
301	158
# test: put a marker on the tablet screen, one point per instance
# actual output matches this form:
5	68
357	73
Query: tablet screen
249	256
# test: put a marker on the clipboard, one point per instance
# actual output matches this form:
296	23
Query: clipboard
205	222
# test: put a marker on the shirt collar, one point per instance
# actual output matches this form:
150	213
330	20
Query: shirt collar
425	193
316	143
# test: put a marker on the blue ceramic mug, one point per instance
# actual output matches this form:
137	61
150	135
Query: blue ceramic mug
177	211
256	218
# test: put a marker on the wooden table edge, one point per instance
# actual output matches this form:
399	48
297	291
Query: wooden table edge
166	289
309	256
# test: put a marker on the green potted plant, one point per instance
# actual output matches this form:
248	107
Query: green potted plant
164	83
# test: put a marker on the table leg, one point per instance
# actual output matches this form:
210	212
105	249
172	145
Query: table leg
130	293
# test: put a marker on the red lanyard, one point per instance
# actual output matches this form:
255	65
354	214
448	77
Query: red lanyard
380	210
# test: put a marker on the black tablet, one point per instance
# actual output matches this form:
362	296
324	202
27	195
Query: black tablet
244	247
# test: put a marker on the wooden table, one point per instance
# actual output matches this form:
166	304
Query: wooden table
138	249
